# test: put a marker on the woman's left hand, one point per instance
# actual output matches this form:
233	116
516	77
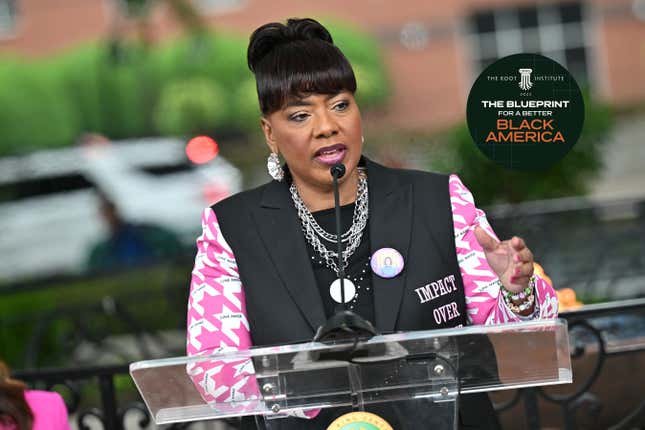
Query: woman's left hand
510	259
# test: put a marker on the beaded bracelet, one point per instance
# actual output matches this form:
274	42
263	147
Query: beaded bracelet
521	301
523	306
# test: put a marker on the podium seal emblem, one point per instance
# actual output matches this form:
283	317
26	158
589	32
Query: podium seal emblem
359	421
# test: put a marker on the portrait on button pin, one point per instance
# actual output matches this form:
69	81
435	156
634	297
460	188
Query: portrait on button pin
387	262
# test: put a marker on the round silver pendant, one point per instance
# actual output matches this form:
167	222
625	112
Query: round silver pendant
350	290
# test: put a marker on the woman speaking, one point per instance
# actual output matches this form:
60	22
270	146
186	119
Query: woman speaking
417	253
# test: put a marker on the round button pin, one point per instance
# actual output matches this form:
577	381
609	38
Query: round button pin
387	262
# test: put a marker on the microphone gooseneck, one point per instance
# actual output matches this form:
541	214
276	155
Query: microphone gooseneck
338	171
344	323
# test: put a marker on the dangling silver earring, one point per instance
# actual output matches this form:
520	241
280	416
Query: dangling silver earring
362	139
274	167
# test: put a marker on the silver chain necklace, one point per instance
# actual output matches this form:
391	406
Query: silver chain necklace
314	232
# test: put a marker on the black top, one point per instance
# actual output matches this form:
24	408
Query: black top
410	211
358	269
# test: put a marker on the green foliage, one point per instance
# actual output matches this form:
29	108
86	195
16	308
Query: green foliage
247	109
491	183
364	54
199	82
77	73
136	7
372	89
217	61
35	113
216	56
123	106
49	320
189	106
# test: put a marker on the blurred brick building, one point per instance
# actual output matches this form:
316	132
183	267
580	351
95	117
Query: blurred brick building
433	49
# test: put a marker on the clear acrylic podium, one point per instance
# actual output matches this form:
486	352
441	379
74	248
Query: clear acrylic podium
413	376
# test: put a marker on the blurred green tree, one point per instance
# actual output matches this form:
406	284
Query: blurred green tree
35	112
131	89
190	106
363	52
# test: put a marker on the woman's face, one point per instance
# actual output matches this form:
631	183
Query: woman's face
315	132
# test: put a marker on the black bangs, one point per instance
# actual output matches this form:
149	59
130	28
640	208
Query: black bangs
300	68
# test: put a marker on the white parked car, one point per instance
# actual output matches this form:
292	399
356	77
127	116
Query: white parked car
49	201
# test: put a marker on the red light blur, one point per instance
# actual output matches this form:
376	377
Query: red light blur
201	149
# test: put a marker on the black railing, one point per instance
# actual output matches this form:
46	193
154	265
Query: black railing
594	248
107	410
44	322
598	335
606	341
73	382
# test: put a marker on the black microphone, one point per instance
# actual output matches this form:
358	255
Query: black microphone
338	171
344	323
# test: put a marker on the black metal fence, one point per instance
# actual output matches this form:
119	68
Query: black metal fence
599	334
608	392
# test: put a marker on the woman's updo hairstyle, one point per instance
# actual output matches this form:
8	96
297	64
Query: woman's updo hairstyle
295	60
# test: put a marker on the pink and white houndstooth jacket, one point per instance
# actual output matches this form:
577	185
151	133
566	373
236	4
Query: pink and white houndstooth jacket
216	294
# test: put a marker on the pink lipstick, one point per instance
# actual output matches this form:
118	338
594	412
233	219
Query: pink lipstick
330	155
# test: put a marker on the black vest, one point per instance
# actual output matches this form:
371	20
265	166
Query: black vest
409	211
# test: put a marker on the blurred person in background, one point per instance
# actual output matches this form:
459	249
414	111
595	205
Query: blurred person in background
264	272
23	409
129	244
